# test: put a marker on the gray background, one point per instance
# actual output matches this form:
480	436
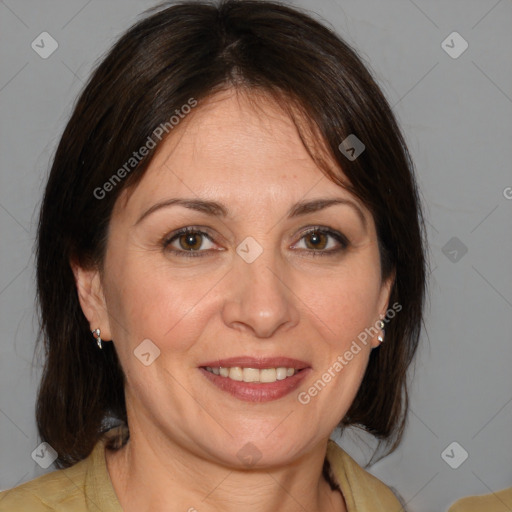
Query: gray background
457	118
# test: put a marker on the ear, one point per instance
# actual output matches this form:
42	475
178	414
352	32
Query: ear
385	293
92	299
383	302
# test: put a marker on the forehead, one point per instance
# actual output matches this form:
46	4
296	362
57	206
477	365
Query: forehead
236	148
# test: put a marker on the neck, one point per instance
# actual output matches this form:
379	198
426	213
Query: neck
151	473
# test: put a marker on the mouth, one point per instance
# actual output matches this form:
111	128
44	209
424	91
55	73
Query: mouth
265	375
256	379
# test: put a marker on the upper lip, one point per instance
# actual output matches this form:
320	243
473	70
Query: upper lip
257	362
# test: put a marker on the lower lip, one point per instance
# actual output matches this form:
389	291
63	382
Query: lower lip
257	391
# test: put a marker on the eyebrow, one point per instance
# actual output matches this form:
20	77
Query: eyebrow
218	210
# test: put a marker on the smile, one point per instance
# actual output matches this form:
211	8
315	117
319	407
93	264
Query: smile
264	375
253	379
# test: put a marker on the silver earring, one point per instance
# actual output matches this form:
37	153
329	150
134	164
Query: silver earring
380	337
97	334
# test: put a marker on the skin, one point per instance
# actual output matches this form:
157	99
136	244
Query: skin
185	432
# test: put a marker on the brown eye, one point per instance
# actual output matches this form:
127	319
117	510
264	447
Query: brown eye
190	241
319	241
316	240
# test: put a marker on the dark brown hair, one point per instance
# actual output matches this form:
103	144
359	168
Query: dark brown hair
193	50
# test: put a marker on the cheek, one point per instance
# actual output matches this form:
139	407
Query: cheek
343	308
145	302
346	302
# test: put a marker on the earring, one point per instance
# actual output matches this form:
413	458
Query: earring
97	334
380	337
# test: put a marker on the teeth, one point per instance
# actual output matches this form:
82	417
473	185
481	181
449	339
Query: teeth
236	373
249	374
268	374
253	374
282	373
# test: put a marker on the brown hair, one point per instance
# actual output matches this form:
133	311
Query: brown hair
192	50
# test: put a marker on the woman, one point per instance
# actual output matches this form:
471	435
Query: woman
233	215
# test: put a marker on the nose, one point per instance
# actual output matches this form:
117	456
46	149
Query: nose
260	301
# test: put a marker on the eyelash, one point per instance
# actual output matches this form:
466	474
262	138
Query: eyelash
339	237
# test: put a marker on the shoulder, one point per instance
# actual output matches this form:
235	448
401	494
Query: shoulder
362	490
497	502
58	490
75	489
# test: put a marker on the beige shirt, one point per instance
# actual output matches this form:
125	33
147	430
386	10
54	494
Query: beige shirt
86	487
500	501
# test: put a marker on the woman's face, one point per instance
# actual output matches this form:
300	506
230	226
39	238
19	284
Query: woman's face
280	269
